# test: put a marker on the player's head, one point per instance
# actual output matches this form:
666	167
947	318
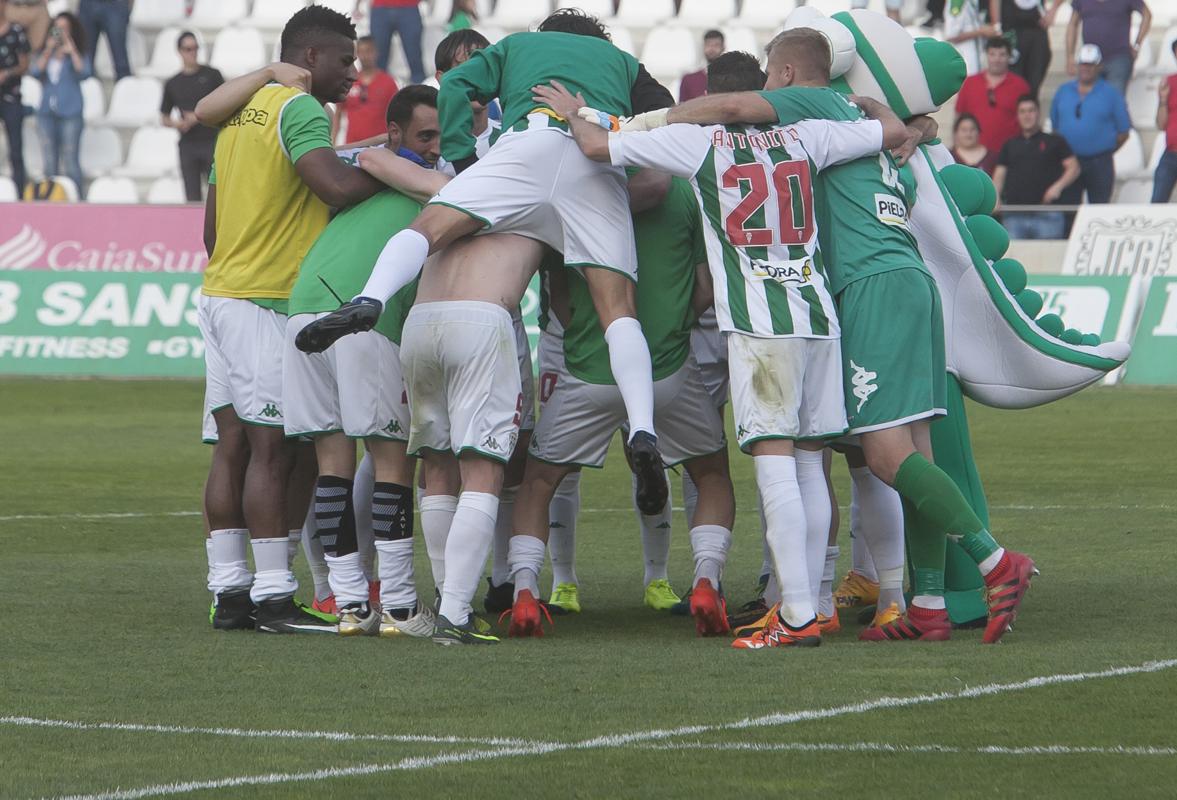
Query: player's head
798	57
186	46
324	42
735	72
712	45
366	53
1029	114
412	121
456	49
573	20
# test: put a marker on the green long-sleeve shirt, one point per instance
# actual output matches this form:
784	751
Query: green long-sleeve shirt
509	69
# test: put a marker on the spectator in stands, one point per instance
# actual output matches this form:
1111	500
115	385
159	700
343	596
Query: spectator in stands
694	84
992	96
402	17
964	29
364	108
14	62
967	147
182	92
33	16
61	67
1034	168
1108	25
111	17
1166	174
462	16
1026	23
1092	116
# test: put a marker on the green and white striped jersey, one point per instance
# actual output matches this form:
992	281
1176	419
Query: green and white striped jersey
754	185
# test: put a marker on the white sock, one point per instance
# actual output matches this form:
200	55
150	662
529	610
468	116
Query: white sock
784	515
929	601
348	582
500	568
861	481
397	266
766	567
825	596
272	577
228	566
398	588
710	544
772	589
527	559
562	513
880	527
437	516
361	492
815	495
690	497
655	530
472	533
208	555
991	561
629	359
312	548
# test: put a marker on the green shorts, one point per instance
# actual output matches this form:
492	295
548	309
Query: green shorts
892	350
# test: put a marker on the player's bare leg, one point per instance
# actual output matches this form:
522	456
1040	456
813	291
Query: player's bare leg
711	535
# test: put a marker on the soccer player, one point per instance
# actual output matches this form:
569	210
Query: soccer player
275	179
535	182
754	187
355	391
892	348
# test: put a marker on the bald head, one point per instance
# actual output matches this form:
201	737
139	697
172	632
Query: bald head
798	57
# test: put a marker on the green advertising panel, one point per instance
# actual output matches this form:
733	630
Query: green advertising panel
1154	349
1088	303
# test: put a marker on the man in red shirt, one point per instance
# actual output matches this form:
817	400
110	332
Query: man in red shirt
403	18
1166	175
694	84
368	99
992	96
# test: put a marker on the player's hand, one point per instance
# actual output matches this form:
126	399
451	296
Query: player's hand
290	75
559	99
645	122
905	151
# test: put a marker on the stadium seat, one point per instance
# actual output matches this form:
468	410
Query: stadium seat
643	13
8	193
108	189
216	14
272	15
166	190
742	39
492	33
135	102
670	51
1134	190
705	13
764	14
1166	61
623	39
153	153
673	86
155	14
34	155
165	59
519	14
101	151
1158	150
30	92
1129	159
136	53
93	100
1142	100
238	50
601	9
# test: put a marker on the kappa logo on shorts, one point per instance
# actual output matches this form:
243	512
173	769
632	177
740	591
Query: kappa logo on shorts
863	388
741	432
491	443
393	427
270	410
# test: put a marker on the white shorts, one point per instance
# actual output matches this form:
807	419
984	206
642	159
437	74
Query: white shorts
462	376
354	386
538	184
710	353
788	388
242	361
526	373
577	420
550	355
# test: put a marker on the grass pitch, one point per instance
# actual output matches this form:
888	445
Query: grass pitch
112	684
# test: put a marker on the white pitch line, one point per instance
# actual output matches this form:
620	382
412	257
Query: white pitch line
635	738
884	747
122	515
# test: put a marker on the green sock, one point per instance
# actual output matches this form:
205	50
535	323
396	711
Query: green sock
979	545
937	497
926	546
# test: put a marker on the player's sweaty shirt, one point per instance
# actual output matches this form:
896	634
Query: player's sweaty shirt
509	70
755	188
862	207
669	240
267	218
340	257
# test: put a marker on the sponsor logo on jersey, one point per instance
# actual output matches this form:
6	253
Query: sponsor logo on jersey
863	385
891	210
787	272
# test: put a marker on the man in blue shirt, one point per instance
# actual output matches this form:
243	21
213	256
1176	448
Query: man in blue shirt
1092	116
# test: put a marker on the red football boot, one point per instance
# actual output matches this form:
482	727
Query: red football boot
527	615
1005	587
923	624
709	610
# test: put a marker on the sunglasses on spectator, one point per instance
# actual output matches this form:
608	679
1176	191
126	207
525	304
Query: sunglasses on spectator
992	99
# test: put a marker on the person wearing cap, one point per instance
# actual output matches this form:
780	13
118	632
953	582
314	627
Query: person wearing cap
1092	116
1107	24
1166	175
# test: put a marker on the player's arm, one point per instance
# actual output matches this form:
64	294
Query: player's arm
401	174
894	130
703	296
210	220
724	109
920	130
647	189
305	132
476	79
224	101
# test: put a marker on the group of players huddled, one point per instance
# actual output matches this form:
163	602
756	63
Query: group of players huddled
754	238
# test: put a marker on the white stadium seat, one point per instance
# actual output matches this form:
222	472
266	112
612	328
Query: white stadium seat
492	33
1142	100
68	186
670	51
764	14
34	155
93	100
157	13
30	92
705	13
1129	159
1134	190
216	14
741	39
165	58
113	190
272	15
1166	61
135	102
153	153
8	193
623	39
238	50
166	190
519	14
643	13
101	151
136	54
1158	150
601	9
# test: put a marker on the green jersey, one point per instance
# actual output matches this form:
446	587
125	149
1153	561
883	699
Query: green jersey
342	256
862	206
510	69
669	241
